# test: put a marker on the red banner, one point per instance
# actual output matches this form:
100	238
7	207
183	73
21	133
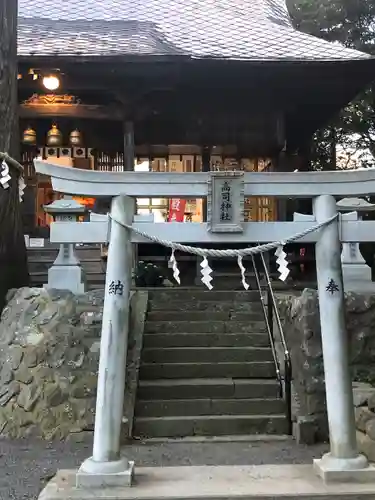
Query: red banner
176	210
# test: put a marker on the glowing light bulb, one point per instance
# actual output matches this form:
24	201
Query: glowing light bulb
51	82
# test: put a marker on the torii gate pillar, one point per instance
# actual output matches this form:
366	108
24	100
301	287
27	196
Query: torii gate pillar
106	467
343	458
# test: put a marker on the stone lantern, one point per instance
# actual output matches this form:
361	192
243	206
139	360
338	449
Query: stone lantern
66	272
356	273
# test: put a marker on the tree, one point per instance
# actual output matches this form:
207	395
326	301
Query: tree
350	22
13	257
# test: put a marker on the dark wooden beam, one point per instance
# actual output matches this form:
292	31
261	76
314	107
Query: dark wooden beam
79	111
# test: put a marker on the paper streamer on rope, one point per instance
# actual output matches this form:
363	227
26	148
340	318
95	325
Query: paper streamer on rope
282	263
21	188
206	273
215	252
5	177
243	271
172	264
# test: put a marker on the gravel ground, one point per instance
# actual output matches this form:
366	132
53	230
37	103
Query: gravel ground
26	465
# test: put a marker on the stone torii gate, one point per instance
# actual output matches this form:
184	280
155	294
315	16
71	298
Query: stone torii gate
106	467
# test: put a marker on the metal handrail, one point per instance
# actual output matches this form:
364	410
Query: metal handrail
286	381
269	328
274	306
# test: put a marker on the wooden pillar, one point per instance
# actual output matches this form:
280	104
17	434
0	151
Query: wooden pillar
206	165
282	164
13	258
129	156
129	152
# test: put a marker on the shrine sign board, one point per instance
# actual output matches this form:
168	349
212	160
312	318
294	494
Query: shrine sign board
225	202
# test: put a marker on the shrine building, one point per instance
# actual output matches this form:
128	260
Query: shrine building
174	86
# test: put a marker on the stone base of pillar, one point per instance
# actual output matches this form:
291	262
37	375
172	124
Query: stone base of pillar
356	272
94	474
281	482
66	278
359	286
353	470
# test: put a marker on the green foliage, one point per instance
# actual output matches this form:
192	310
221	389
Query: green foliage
352	23
148	275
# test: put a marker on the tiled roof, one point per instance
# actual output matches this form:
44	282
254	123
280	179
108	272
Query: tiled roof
230	29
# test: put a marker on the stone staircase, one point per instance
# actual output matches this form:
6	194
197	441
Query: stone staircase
207	367
41	259
226	276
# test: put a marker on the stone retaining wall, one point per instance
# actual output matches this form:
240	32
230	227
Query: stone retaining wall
49	356
364	400
138	309
300	316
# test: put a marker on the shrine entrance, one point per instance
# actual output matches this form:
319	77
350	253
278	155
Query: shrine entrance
225	224
173	159
256	209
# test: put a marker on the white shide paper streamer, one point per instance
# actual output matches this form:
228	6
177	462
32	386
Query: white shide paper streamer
243	271
21	188
5	177
282	263
206	273
172	264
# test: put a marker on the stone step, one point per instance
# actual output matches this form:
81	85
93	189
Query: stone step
82	253
200	407
203	315
231	282
227	265
205	340
233	272
42	253
52	254
211	388
98	277
152	371
92	282
42	265
205	326
206	354
95	286
227	284
210	425
205	306
197	294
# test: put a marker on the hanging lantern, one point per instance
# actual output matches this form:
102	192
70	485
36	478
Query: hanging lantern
29	137
75	138
54	136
